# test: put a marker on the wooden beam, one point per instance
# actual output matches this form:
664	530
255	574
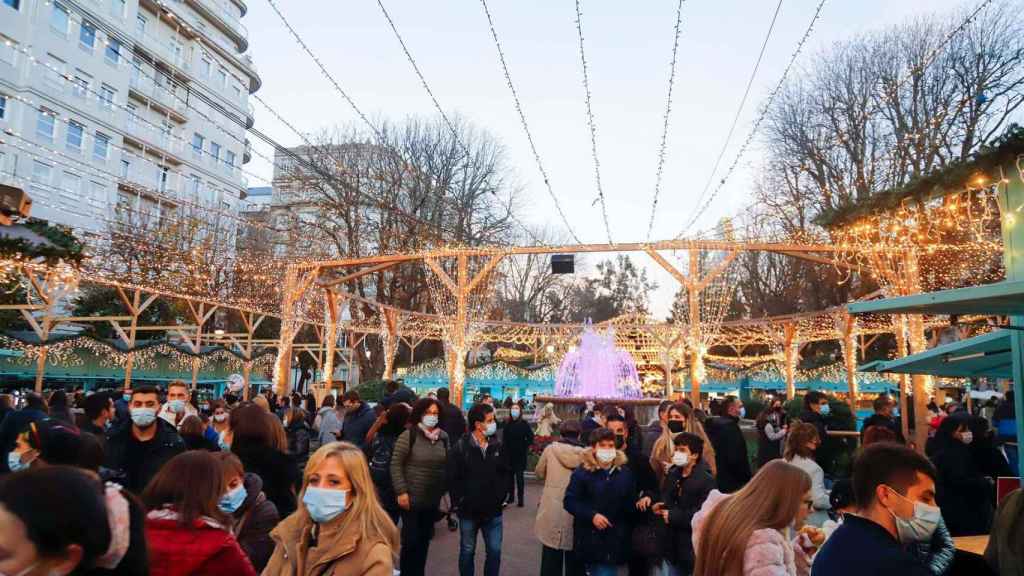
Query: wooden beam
359	274
482	274
91	318
40	291
669	267
127	301
35	325
442	275
152	298
121	333
716	271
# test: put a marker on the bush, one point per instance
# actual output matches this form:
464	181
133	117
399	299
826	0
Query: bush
754	406
371	390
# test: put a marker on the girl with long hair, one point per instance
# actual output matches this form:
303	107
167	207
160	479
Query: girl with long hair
801	445
746	532
680	419
339	529
259	440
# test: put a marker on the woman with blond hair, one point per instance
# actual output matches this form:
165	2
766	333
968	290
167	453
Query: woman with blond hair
339	529
801	444
680	419
747	533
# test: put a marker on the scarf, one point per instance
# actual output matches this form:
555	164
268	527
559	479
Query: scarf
432	435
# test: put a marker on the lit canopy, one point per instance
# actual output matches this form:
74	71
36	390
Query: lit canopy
1000	299
987	355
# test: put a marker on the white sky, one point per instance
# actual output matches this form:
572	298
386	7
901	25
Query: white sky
628	48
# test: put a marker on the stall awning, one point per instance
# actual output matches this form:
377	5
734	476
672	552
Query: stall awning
987	355
1002	298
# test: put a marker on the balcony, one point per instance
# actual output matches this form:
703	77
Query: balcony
147	178
152	137
164	49
158	94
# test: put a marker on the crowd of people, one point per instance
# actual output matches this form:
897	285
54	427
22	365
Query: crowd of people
148	481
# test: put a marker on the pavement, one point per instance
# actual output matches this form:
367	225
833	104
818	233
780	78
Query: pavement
520	549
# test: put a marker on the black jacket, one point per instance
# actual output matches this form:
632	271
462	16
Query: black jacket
860	547
683	497
517	437
731	461
134	471
964	494
253	522
452	421
357	424
298	443
643	474
199	443
610	492
278	471
478	485
812	417
879	420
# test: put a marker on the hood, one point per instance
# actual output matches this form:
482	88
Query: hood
324	410
589	461
568	455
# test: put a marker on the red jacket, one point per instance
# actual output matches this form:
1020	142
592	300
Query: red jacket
205	548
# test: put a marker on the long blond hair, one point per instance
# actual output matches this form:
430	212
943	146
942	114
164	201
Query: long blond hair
771	499
663	448
370	519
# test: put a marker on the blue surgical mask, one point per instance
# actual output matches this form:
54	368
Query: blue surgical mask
232	501
743	412
177	406
825	409
515	412
323	504
14	462
492	427
143	417
126	397
430	420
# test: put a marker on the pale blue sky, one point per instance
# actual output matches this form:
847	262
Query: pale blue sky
628	48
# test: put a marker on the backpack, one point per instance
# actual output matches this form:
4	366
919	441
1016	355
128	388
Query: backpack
380	461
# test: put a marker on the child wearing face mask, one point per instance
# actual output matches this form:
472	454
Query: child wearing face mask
686	487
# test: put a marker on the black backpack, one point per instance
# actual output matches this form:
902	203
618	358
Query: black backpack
380	461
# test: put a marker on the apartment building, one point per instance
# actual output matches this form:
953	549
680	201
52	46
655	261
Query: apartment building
124	106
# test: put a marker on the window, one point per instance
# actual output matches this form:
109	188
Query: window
229	158
113	52
101	147
126	166
194	184
87	36
222	78
80	85
73	139
140	25
12	3
107	95
238	92
44	125
40	173
205	67
178	50
71	184
197	144
3	107
117	8
8	50
59	19
124	200
161	177
215	151
54	73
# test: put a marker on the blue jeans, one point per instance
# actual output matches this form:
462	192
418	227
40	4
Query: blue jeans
492	532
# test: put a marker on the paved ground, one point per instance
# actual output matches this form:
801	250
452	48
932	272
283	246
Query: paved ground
520	551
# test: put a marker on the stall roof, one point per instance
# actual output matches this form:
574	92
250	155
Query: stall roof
985	355
1002	298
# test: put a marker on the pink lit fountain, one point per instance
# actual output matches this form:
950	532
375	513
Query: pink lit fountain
598	370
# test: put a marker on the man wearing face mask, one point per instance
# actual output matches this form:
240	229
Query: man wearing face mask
479	473
687	486
645	482
885	415
731	461
177	406
135	453
517	438
894	489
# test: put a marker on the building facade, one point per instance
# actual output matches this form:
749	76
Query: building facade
110	107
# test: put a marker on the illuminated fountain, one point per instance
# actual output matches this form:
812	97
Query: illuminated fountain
598	370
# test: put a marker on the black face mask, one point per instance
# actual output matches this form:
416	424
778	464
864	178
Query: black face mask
620	440
675	426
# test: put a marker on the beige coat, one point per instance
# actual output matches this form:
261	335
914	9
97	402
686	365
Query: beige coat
341	550
554	525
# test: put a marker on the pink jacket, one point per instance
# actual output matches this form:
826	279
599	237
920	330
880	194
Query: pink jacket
767	554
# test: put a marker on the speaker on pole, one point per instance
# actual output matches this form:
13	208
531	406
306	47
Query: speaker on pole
563	263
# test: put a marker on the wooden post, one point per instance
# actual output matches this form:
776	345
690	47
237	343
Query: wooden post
389	318
848	327
917	343
791	358
129	364
696	354
331	336
900	328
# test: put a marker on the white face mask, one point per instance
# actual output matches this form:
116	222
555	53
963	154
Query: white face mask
967	437
220	417
492	427
680	459
605	455
920	526
430	420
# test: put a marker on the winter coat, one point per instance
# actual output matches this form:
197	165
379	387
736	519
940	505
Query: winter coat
610	492
172	417
479	483
253	522
419	470
357	424
327	424
1005	551
885	422
547	425
646	482
517	438
767	552
683	497
193	442
341	550
298	443
278	472
452	421
859	547
820	423
818	493
730	452
651	433
937	553
205	547
130	470
553	525
403	394
963	493
586	427
770	436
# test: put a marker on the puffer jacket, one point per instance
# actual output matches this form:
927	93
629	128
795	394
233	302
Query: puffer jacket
610	492
1005	551
253	522
683	497
767	552
554	525
420	472
341	549
205	547
327	425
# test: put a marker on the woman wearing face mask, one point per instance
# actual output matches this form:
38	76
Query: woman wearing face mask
382	448
517	437
253	516
771	430
750	532
801	444
187	531
601	499
963	491
680	419
339	528
219	417
418	476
